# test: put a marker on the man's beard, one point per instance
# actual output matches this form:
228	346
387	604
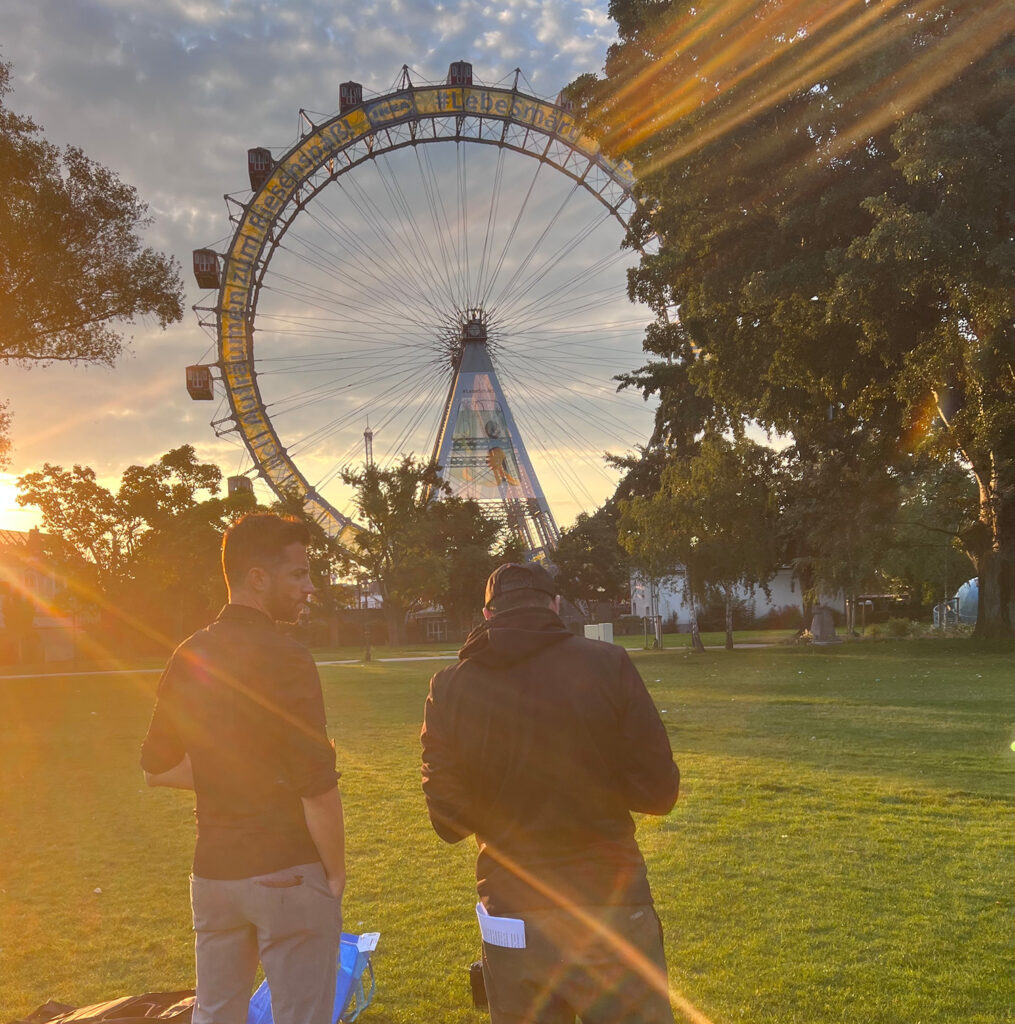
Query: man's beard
286	610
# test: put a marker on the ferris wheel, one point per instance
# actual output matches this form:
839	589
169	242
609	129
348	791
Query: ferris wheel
402	256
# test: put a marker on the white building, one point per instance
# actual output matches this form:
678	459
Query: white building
666	597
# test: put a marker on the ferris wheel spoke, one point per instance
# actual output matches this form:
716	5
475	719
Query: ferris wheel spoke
538	295
463	216
425	256
532	290
515	225
505	296
398	388
387	235
396	319
540	418
361	259
585	408
345	383
573	449
491	220
442	225
573	306
315	296
428	396
421	395
347	266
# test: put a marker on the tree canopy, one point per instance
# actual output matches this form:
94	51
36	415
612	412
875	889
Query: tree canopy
73	268
830	191
715	515
146	557
418	550
71	259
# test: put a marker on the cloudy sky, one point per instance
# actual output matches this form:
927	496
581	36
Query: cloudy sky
172	93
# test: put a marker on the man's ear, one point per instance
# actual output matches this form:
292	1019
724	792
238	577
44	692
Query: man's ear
257	579
556	604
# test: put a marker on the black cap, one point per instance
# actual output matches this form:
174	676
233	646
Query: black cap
514	576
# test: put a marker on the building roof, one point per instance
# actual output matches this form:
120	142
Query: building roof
14	538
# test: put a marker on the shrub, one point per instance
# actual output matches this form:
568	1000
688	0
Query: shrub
787	616
897	627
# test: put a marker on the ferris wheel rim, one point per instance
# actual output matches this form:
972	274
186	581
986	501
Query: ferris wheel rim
296	179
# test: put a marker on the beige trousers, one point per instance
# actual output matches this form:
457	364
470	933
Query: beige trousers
289	921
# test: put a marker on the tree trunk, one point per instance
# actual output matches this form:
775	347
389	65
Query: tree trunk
991	546
394	617
805	577
729	618
994	607
696	644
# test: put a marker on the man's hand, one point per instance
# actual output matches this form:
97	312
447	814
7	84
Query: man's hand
337	887
327	829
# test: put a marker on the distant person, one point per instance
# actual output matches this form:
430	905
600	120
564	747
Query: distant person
542	743
239	718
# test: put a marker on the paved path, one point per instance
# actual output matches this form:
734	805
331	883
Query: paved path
447	656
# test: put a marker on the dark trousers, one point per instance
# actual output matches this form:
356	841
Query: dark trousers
607	968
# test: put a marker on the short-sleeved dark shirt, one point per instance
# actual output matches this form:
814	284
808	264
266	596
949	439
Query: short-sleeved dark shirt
244	701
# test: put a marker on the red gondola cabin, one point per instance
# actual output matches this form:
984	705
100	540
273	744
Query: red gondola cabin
199	383
350	94
240	484
259	164
460	73
206	268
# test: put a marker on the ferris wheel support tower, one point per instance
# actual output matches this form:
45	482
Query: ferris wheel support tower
480	449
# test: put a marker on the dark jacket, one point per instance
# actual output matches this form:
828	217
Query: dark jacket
542	743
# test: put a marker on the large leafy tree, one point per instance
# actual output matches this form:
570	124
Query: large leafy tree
715	514
147	554
418	550
72	264
592	565
830	188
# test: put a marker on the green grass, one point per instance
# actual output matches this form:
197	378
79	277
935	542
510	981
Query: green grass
841	850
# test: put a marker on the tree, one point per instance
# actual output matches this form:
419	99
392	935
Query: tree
925	559
592	565
716	515
831	192
474	544
71	262
153	545
72	265
418	550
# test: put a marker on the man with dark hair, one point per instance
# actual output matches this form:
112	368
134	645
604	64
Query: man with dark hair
541	744
239	718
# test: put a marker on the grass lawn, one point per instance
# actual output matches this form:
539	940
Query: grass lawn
841	850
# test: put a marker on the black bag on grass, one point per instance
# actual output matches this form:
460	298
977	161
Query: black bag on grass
168	1007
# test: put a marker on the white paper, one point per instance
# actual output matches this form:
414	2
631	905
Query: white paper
500	931
367	942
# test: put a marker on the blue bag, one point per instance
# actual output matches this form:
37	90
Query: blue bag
351	993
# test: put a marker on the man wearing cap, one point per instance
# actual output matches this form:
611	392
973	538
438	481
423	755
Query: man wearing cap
541	744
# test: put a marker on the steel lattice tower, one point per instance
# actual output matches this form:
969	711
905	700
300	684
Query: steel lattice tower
480	450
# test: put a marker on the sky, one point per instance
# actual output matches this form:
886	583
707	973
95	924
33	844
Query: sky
171	93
